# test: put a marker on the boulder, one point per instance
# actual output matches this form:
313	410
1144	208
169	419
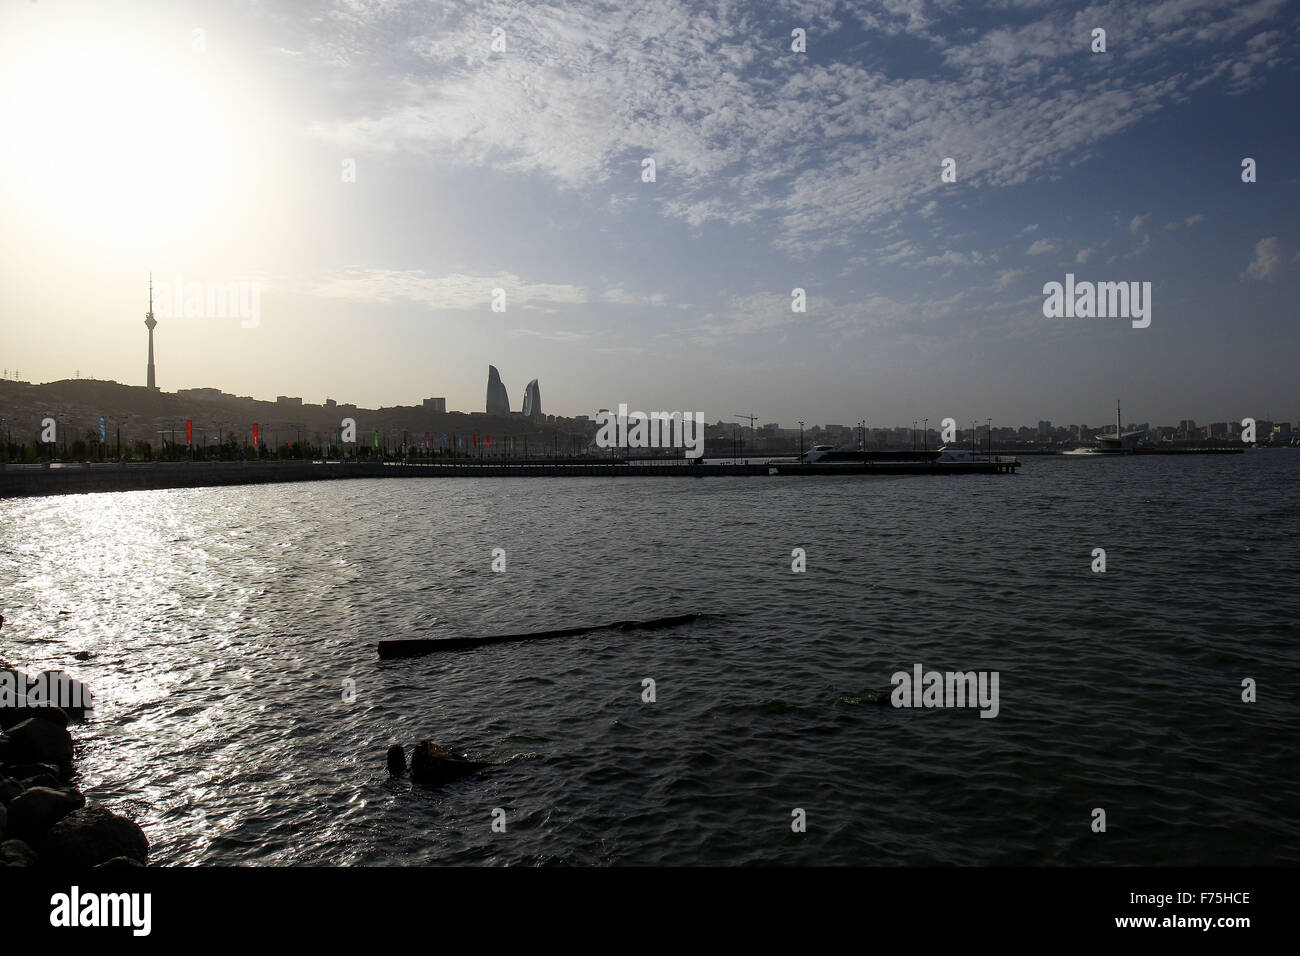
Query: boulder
61	689
16	853
22	695
40	780
40	741
4	820
433	766
9	788
25	771
92	836
13	684
9	716
33	812
396	760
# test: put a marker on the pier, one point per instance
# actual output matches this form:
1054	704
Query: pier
62	478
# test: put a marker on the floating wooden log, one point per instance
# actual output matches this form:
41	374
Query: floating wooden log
418	647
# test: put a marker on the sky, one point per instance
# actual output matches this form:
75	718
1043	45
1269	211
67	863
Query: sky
373	170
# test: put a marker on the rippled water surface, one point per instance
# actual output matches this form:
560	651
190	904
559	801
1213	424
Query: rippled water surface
221	625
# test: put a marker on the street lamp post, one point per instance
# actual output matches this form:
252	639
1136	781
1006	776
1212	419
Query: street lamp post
801	424
925	434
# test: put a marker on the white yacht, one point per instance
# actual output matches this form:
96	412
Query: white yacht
1117	443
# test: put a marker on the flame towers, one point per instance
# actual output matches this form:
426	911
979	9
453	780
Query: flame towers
498	401
150	323
532	400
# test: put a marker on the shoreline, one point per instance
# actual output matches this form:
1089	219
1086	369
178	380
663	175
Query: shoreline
45	820
25	481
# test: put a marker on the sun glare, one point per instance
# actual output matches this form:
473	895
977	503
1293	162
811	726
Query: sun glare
97	136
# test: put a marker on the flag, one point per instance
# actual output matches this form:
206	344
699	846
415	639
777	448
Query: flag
426	439
189	431
489	440
476	439
255	441
102	433
376	437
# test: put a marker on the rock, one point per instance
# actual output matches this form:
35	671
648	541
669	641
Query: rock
16	853
433	766
25	771
92	836
118	863
61	689
4	820
9	788
396	760
40	741
48	690
35	811
13	682
40	780
9	716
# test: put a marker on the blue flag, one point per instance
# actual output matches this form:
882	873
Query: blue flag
103	435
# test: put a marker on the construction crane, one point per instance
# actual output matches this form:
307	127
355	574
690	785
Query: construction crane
751	418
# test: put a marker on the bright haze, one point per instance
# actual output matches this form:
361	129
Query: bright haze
378	169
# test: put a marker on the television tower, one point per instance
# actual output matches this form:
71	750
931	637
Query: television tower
150	322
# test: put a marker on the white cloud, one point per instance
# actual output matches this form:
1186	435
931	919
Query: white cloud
619	296
455	291
1083	256
1008	276
557	335
744	130
1137	222
1040	246
1267	261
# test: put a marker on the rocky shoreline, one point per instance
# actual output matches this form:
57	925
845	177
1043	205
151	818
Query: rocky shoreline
44	818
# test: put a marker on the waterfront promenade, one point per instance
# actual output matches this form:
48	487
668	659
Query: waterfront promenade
19	481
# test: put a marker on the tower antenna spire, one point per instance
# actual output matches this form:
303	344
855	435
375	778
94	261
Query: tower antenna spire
150	323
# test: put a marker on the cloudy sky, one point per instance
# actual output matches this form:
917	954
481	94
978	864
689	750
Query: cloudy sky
379	167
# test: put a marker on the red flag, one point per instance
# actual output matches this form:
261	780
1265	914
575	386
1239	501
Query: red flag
255	441
426	439
476	439
489	441
189	431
